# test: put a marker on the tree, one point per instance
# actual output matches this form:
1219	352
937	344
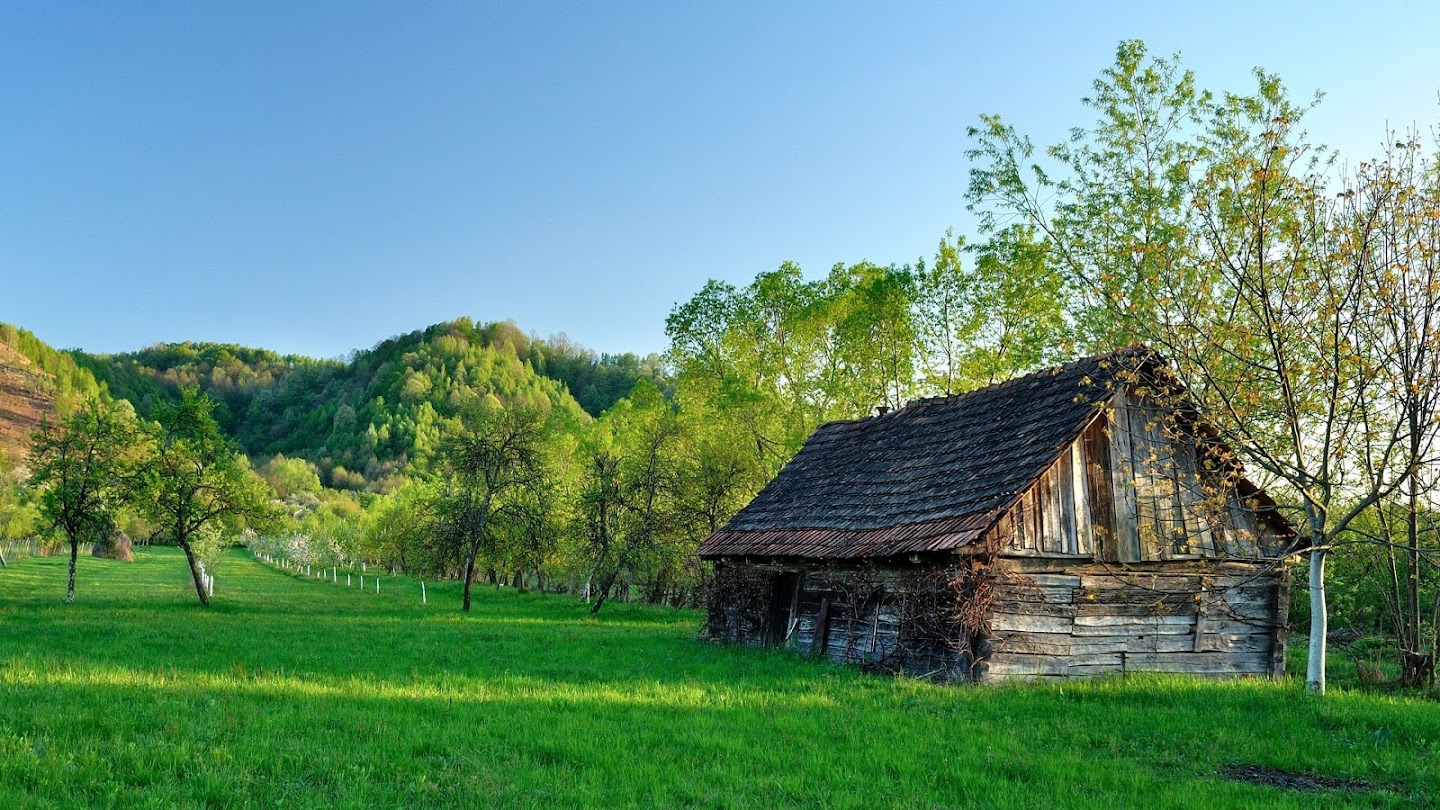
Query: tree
489	471
627	499
1002	317
1200	225
873	331
18	515
785	354
194	484
1390	208
80	467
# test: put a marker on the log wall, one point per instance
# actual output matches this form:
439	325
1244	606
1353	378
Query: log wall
1046	618
1050	619
886	617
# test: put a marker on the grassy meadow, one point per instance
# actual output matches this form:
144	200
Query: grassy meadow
292	692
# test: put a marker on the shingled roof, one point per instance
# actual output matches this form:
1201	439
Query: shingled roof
932	476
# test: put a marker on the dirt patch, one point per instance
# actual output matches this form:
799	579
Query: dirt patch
1258	775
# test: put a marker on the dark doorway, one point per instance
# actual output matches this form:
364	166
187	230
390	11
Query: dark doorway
784	601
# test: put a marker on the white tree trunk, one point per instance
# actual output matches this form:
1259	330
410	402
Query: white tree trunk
1319	625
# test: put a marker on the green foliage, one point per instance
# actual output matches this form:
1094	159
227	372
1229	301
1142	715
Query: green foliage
299	693
785	354
73	383
398	531
195	488
493	476
291	477
82	468
596	381
19	515
362	422
1300	309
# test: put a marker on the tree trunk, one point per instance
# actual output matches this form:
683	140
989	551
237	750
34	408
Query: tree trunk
470	573
195	574
70	586
1416	668
656	591
604	592
1319	623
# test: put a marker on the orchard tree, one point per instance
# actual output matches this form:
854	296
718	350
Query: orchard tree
81	467
194	486
490	470
399	531
628	510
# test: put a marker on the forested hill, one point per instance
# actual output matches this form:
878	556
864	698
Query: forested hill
361	420
35	380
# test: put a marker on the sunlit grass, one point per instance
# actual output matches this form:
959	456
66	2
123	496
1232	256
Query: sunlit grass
297	692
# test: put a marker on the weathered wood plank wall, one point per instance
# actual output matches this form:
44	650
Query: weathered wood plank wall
1129	491
1056	619
850	615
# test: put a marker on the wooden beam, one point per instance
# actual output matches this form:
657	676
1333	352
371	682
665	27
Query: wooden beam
1122	474
1080	503
822	629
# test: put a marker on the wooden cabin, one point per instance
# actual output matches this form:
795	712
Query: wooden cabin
1072	522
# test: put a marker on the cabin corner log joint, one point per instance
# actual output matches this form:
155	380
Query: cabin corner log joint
1073	522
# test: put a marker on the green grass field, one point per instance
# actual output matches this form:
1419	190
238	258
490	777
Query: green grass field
297	693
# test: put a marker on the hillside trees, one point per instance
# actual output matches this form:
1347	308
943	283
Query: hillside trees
73	385
364	420
193	484
597	381
81	467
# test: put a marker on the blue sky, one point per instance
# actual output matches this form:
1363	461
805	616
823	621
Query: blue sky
314	177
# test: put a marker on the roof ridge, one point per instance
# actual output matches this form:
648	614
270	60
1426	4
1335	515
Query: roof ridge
1055	370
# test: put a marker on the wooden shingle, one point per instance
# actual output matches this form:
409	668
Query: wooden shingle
932	476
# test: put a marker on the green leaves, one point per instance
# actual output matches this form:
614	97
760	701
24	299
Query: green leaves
83	468
193	484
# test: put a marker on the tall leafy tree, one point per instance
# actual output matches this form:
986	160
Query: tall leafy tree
81	467
1004	315
490	473
1389	211
194	485
628	506
874	333
1201	224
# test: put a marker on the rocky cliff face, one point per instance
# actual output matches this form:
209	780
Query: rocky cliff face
26	395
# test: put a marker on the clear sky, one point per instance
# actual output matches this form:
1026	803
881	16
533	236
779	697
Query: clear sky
315	177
